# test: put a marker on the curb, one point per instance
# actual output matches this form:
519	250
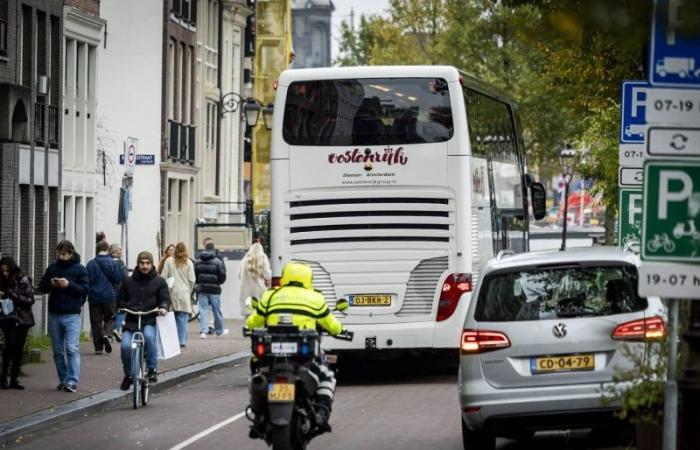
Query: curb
11	430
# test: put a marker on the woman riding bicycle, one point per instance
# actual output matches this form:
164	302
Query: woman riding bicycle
144	290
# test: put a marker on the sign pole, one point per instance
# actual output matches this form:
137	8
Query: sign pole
671	391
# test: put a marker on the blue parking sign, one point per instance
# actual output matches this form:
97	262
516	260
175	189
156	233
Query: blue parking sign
674	59
633	112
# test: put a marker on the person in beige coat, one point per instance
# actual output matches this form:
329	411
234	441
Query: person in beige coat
178	271
254	275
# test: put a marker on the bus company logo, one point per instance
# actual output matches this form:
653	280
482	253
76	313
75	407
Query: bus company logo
367	158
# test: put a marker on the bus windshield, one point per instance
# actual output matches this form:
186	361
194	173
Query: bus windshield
370	111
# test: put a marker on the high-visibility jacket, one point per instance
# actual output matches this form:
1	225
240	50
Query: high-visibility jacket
307	308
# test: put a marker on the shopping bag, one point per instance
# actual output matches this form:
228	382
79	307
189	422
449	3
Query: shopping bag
168	342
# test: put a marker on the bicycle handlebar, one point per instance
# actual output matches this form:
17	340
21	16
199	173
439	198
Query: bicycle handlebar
138	313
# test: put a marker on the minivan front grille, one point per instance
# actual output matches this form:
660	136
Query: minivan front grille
422	283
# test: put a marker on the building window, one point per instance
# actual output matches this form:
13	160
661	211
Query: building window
3	38
184	12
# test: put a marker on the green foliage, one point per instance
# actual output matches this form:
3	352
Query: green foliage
39	341
562	60
639	390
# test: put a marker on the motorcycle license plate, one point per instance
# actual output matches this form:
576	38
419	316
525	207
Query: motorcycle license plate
280	392
283	348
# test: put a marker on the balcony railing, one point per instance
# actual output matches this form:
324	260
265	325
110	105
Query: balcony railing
181	146
39	129
53	126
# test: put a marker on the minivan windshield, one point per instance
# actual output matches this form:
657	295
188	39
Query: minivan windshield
551	293
367	111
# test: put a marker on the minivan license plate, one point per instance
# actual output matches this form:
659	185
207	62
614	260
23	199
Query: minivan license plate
562	363
280	392
370	300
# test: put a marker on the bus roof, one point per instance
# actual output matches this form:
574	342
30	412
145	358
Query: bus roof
449	73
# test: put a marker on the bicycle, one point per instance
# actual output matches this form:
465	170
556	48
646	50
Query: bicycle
138	360
195	307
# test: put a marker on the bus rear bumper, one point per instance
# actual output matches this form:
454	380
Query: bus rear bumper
386	337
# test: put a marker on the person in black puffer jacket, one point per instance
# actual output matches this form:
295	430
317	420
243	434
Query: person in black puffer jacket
16	289
211	274
67	283
144	290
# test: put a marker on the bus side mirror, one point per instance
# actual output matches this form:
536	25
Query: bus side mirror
341	305
539	200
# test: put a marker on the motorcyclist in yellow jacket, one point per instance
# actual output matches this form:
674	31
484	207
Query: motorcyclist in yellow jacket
296	298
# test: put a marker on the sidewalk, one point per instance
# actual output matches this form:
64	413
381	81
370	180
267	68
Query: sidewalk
103	372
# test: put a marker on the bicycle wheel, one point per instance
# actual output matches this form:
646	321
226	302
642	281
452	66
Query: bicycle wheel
145	383
195	309
136	375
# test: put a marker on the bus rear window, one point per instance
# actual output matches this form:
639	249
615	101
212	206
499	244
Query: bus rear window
367	111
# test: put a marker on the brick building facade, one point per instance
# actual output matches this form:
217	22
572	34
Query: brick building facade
31	50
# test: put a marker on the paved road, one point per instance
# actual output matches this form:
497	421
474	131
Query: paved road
402	408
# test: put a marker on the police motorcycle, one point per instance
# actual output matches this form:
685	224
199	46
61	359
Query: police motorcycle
282	408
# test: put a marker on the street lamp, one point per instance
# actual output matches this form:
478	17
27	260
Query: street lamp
250	109
566	157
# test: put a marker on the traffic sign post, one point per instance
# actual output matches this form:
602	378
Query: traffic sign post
131	150
671	225
630	218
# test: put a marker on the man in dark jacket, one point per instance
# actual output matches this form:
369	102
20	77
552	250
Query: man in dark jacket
211	274
143	291
104	274
66	281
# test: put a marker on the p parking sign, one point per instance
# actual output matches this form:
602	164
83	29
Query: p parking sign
630	213
671	217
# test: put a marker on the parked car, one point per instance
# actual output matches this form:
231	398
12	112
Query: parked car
542	337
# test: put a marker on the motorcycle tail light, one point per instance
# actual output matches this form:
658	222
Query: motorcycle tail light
260	349
281	380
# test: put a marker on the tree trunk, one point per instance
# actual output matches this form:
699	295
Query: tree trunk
609	226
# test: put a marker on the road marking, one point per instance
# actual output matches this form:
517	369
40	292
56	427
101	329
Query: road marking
208	431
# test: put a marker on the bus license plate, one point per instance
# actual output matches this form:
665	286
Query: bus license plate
280	392
283	348
562	363
370	300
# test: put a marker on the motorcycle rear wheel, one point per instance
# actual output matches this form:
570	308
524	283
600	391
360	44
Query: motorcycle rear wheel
281	437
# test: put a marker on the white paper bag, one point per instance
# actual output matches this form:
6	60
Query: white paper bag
168	342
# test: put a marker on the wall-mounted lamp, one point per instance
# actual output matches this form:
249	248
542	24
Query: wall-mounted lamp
251	109
42	85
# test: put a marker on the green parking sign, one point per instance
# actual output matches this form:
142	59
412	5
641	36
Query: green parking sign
671	218
630	217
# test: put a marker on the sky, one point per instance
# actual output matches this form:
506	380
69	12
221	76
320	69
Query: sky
342	13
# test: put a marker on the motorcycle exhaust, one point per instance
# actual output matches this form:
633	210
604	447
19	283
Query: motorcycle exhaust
258	394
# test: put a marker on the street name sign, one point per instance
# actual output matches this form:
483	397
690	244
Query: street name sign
631	176
665	143
632	155
674	57
633	112
141	159
665	279
671	221
630	217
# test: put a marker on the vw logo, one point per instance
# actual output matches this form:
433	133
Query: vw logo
559	330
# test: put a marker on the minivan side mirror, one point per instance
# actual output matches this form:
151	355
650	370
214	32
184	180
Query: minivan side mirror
539	200
341	305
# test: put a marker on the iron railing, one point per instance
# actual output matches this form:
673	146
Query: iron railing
53	126
39	129
181	146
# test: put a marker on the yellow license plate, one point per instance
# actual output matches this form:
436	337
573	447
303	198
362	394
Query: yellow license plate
562	363
370	300
280	392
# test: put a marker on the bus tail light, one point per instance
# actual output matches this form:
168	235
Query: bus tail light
454	286
482	341
651	329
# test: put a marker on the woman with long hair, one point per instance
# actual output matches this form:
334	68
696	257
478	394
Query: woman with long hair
178	271
254	274
16	318
168	253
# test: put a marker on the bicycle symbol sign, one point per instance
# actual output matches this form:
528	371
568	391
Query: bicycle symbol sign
671	213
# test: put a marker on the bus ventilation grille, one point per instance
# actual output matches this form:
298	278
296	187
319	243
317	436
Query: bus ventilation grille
322	282
422	286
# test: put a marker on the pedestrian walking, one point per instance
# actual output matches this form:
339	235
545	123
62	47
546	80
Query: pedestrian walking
168	253
255	275
100	236
67	283
116	252
211	274
179	274
16	318
104	273
143	291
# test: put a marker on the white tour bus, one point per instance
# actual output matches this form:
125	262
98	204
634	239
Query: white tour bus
395	184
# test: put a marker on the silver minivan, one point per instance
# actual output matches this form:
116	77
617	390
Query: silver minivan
543	335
